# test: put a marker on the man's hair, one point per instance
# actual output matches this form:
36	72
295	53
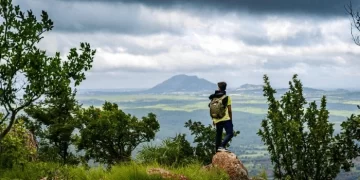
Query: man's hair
222	86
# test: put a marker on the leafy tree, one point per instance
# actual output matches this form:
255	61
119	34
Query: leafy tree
109	135
175	152
348	141
54	123
16	148
205	140
301	142
27	73
352	125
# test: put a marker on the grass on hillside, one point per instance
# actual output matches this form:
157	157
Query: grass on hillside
131	171
203	106
199	106
201	103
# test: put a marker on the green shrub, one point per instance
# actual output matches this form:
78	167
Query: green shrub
109	135
172	152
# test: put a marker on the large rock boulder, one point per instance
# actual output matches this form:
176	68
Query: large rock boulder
31	143
27	139
231	164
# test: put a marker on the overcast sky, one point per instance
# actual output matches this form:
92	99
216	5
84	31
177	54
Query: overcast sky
143	42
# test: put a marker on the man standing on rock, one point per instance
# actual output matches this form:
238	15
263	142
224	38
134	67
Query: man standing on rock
221	114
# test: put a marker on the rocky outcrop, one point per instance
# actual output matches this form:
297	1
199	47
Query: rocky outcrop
31	143
166	174
28	141
230	164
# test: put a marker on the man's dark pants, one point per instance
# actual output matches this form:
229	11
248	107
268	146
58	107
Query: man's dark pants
228	126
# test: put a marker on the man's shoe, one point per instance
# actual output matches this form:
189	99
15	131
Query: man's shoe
222	149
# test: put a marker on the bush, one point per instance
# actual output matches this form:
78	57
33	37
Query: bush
172	152
109	135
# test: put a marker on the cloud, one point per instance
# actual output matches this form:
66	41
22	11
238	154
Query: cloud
318	7
144	17
121	18
213	49
141	44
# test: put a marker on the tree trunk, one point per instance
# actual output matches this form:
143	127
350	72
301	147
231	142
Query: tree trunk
9	126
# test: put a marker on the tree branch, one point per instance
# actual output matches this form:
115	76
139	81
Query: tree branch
33	99
4	118
13	115
8	128
355	22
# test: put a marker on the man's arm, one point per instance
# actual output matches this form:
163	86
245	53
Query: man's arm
230	111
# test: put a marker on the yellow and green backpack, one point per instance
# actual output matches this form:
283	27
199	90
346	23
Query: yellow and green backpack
217	108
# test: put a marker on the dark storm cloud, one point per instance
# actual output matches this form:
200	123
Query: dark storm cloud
318	7
73	16
128	17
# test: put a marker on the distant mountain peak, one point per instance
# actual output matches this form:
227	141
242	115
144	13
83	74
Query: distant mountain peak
245	87
184	76
183	83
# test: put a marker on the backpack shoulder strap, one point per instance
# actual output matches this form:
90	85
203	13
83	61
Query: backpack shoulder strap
225	100
223	97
